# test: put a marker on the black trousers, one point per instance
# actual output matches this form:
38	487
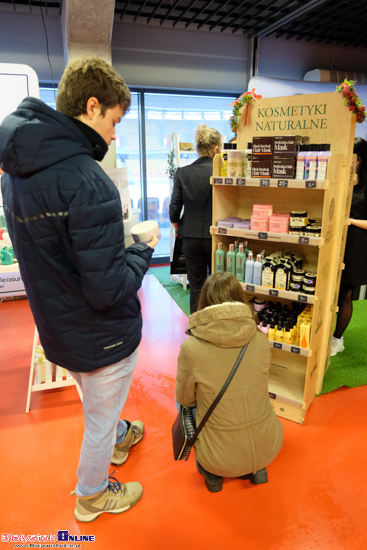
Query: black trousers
198	257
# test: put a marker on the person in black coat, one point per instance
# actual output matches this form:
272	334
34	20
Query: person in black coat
355	257
64	218
193	192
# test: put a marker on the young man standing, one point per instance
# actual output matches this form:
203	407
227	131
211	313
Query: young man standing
64	218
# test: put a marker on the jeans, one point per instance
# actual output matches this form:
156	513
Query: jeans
104	394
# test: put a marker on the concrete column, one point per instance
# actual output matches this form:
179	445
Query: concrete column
87	31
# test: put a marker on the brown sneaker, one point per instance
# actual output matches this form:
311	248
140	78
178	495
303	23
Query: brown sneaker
115	499
133	436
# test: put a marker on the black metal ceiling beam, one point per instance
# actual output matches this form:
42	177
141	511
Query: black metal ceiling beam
171	10
213	15
233	10
292	16
140	10
184	12
316	16
199	13
122	11
155	11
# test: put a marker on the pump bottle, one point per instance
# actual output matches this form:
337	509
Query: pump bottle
219	258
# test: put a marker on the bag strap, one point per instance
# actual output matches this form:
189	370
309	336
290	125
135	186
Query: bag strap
220	394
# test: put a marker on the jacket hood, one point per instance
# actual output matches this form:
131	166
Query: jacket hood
227	325
35	137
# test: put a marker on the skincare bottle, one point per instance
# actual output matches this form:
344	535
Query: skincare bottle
301	161
240	264
271	332
249	270
224	159
236	243
279	334
267	276
246	248
311	162
288	336
258	266
219	258
231	260
264	327
248	161
322	161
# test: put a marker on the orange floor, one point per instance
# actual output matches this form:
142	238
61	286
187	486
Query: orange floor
316	497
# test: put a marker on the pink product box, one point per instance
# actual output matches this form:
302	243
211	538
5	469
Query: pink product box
278	224
259	223
262	210
245	224
225	223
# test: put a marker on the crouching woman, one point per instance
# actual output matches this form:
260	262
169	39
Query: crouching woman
243	435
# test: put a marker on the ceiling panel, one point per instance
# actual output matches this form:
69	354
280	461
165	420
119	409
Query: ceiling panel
339	21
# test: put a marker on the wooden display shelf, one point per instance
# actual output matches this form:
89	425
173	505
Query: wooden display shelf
286	390
295	377
270	182
290	348
267	236
276	293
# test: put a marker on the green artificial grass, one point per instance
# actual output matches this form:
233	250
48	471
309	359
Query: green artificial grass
174	289
348	368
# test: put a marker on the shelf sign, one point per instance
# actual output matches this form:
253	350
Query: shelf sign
273	292
294	349
310	184
277	345
263	236
218	181
302	298
240	181
272	395
222	231
250	288
282	183
264	182
228	181
303	240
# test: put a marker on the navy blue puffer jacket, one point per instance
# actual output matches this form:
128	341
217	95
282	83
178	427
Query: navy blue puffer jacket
64	218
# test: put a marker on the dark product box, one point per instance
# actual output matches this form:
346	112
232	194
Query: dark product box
284	165
261	166
262	145
288	144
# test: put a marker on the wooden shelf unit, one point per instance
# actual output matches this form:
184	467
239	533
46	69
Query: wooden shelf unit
296	374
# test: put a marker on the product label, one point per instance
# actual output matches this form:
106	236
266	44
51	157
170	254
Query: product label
303	240
218	181
294	349
310	184
228	181
282	183
264	183
262	235
240	181
277	345
273	292
280	279
267	277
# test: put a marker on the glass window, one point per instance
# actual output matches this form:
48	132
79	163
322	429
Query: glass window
167	114
128	152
